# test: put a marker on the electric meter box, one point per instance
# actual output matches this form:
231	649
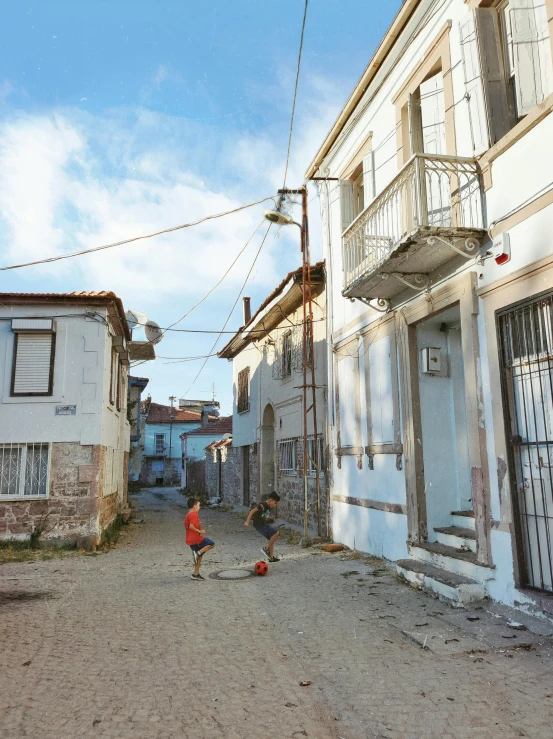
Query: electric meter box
431	360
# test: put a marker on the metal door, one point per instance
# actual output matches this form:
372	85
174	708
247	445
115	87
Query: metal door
526	351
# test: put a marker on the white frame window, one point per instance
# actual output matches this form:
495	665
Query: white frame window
33	357
24	470
287	456
159	443
311	471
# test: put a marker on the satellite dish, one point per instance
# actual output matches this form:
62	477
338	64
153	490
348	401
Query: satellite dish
135	318
153	332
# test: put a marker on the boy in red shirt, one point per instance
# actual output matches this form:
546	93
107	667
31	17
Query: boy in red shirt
198	543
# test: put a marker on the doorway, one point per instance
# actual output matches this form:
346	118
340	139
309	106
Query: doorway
268	477
526	357
443	414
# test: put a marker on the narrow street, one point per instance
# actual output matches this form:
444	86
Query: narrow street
124	644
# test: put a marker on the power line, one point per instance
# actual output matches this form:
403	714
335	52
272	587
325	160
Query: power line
233	307
295	94
136	238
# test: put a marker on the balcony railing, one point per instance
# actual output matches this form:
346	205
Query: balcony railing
430	193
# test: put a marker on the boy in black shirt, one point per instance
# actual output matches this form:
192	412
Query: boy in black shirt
261	522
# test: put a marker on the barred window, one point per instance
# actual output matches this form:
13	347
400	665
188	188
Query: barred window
311	455
244	390
23	470
287	455
160	443
287	355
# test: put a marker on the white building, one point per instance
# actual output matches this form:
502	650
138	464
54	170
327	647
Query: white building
64	433
439	350
267	368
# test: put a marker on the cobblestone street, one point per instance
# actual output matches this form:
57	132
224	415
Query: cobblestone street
124	644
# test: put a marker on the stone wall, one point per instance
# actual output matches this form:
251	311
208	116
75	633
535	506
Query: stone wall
290	489
231	474
171	474
75	509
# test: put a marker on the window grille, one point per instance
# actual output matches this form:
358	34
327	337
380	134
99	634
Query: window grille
244	390
23	470
160	443
311	470
287	455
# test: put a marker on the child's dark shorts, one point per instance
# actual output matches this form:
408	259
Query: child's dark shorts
205	542
267	531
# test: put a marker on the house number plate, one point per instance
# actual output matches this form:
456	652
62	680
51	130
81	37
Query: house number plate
66	410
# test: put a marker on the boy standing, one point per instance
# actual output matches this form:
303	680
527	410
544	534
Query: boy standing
198	543
261	523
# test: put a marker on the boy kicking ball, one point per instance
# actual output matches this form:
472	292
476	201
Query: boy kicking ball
262	521
198	543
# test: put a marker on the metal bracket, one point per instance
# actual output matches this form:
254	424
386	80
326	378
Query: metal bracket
419	281
380	304
471	244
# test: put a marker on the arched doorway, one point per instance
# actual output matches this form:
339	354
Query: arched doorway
268	477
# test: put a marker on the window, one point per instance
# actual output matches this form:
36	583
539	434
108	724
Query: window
287	455
357	192
311	456
244	390
287	355
159	443
33	357
23	470
113	377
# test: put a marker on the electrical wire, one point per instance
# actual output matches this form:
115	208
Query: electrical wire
232	309
295	93
137	238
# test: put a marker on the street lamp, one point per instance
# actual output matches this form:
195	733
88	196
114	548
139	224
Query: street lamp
283	219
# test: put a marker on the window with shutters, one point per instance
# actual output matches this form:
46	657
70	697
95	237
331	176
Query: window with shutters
244	390
33	357
23	470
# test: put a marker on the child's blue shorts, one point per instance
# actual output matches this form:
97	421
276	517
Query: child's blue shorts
205	542
267	530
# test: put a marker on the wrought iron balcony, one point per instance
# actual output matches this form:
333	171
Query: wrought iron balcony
429	213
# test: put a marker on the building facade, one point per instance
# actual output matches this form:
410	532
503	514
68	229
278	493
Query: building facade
194	444
223	471
438	231
137	385
64	433
267	365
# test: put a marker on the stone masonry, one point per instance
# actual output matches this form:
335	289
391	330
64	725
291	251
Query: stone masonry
231	473
75	509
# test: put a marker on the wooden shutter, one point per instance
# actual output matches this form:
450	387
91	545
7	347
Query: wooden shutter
526	57
473	86
33	365
415	123
498	111
368	179
346	203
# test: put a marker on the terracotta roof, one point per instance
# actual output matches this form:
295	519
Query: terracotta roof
220	443
161	414
220	426
296	275
101	296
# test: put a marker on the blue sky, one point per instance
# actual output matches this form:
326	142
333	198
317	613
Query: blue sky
122	118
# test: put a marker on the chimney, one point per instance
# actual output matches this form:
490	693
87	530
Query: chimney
247	310
205	416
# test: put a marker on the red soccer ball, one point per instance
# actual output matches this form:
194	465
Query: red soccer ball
261	568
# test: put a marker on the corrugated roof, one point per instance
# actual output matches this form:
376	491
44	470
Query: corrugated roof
162	414
220	426
102	296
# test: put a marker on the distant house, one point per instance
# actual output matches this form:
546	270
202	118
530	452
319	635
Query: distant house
193	452
137	385
223	471
64	435
162	455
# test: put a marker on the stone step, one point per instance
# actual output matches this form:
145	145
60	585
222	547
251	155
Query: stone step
456	589
457	537
452	560
464	518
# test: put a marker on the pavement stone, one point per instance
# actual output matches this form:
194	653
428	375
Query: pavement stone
124	644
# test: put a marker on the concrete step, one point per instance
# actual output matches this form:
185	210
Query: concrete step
457	537
464	518
456	589
452	560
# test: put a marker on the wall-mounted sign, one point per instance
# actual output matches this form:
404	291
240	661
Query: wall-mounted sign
66	410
